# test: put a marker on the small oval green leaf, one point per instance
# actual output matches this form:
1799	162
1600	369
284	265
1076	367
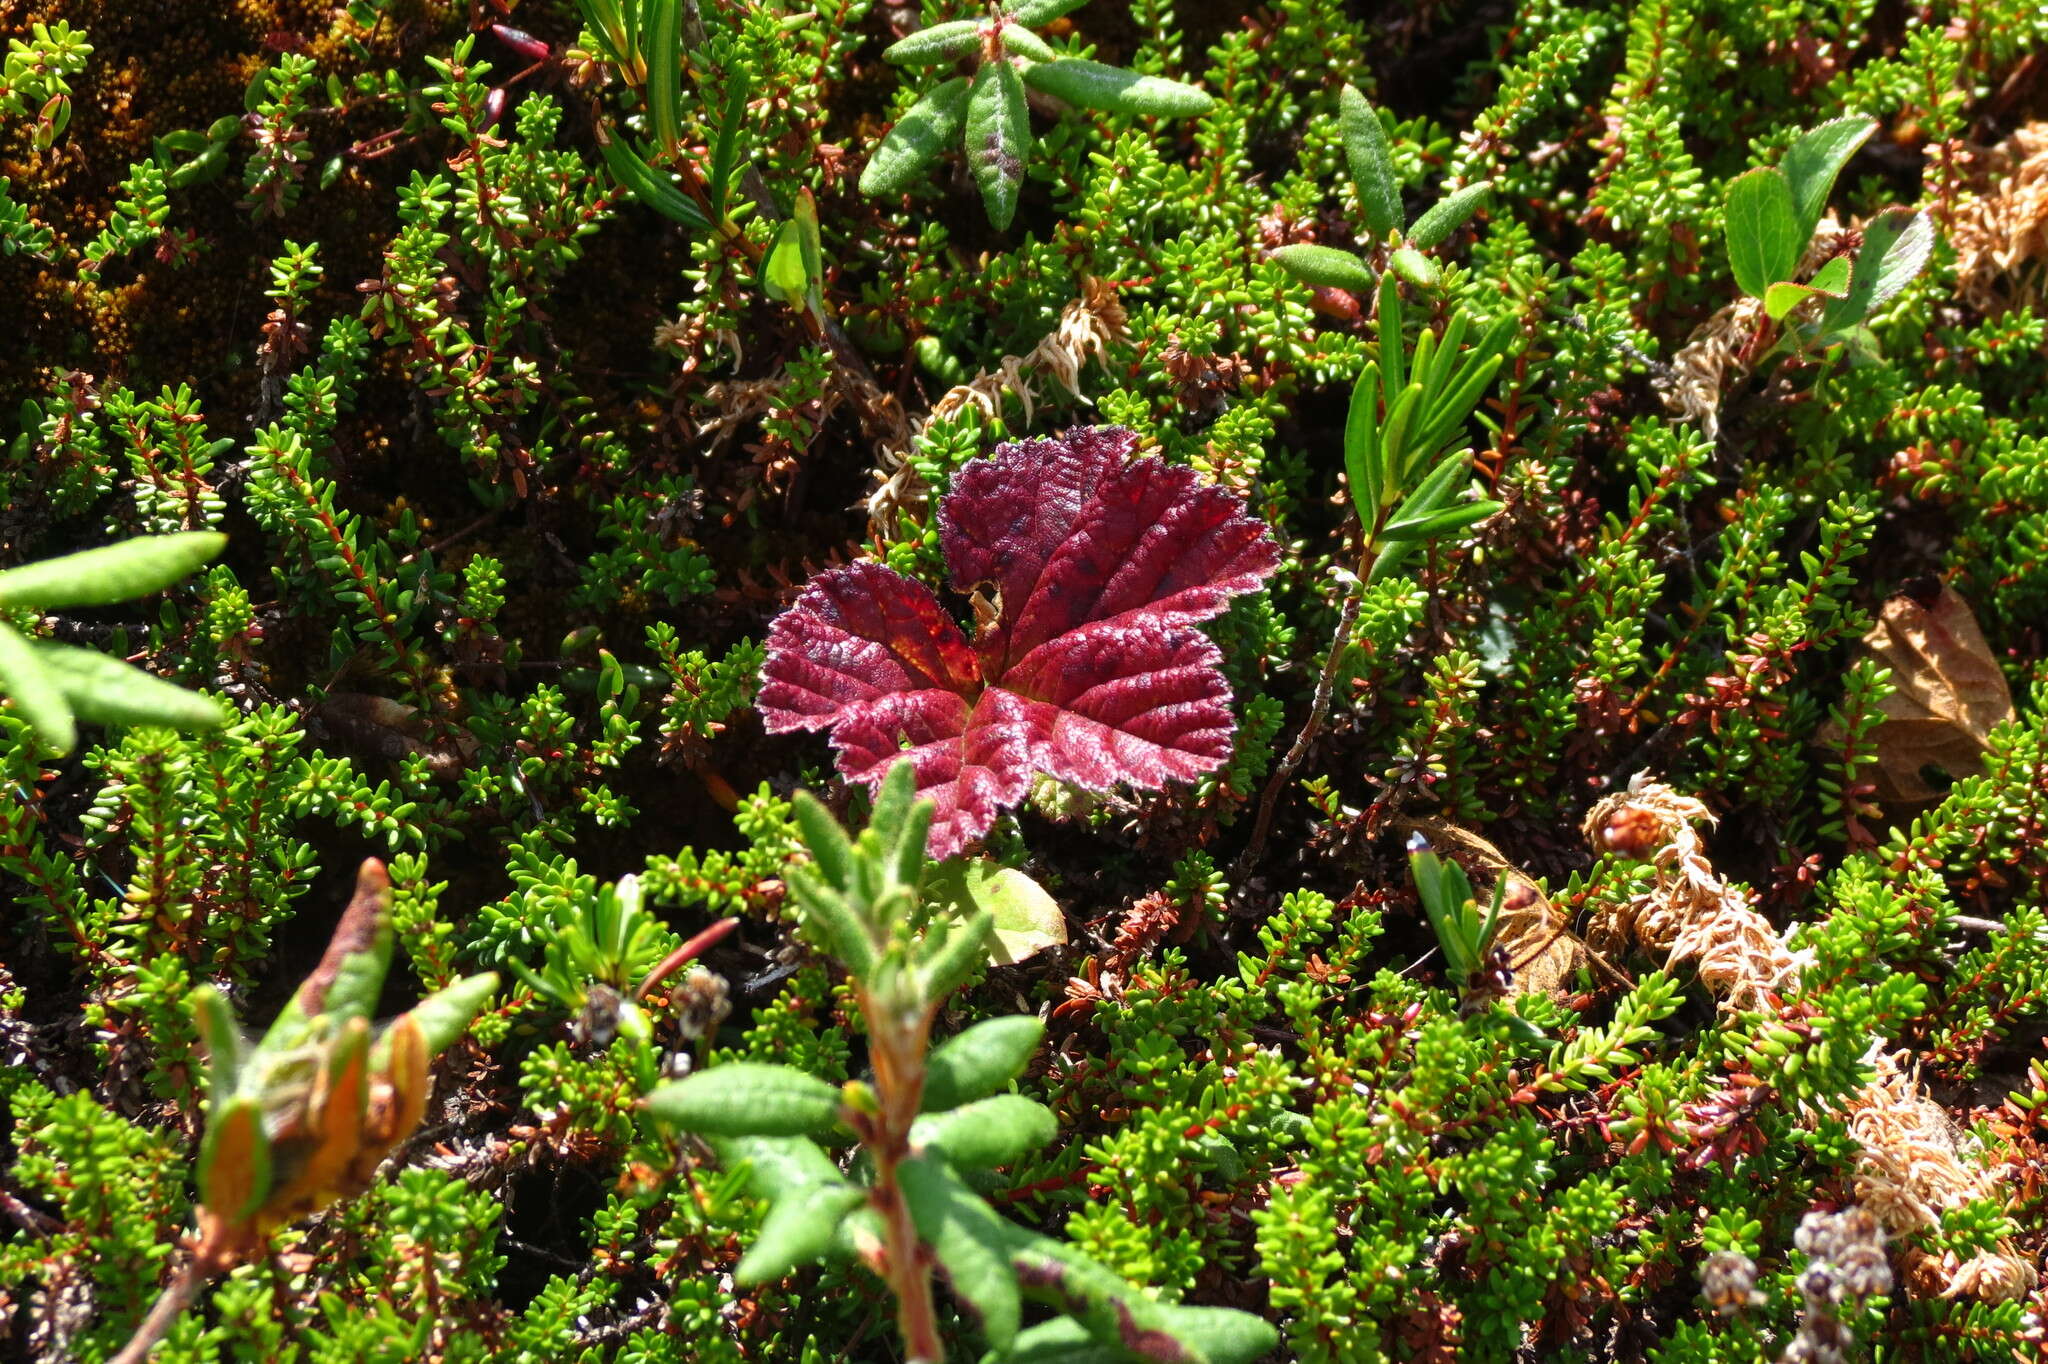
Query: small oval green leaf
746	1098
988	1132
1372	165
980	1060
800	1229
1325	266
927	128
998	134
1447	215
939	43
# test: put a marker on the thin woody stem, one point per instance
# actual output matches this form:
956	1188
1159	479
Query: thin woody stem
176	1297
1318	709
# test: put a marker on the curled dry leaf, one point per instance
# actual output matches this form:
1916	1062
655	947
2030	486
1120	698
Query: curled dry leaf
1689	914
1541	950
1947	693
1911	1169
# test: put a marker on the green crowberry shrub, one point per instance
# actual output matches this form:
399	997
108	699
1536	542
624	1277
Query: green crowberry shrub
434	433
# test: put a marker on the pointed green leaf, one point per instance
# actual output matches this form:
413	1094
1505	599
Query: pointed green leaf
1362	444
107	691
831	921
747	1098
663	43
223	1041
831	850
1411	265
725	151
1813	162
939	43
650	186
782	269
964	949
1896	244
1372	165
777	1165
980	1060
988	1132
36	693
1025	43
1440	522
799	1230
1447	215
998	135
1393	356
1325	267
111	573
1092	85
446	1014
1763	230
1035	13
965	1237
1394	438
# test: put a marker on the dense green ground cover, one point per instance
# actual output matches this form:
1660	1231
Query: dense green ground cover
532	363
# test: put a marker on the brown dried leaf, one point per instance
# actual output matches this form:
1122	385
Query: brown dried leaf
1948	693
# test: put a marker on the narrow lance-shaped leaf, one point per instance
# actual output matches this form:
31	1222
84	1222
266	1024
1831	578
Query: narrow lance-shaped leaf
744	1098
998	132
36	693
988	1132
663	34
1325	267
111	573
1393	356
650	186
1035	13
966	1237
1447	215
1372	166
800	1229
939	43
725	151
1093	85
827	915
445	1015
956	955
1362	444
107	691
980	1060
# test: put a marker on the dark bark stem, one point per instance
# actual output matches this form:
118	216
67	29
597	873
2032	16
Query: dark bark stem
1318	709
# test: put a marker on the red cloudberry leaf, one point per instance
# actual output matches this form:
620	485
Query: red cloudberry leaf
856	634
1089	672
